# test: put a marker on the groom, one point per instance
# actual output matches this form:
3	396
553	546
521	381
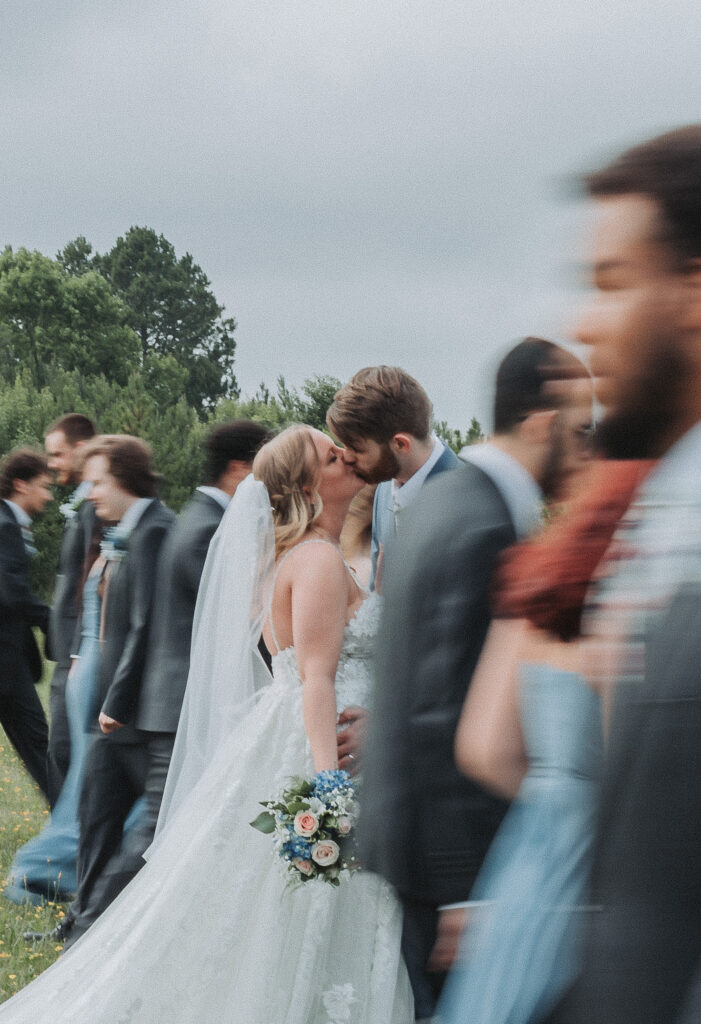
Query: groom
383	418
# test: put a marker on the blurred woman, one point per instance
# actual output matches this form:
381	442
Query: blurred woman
531	730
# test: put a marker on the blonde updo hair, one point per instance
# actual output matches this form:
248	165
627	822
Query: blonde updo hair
286	465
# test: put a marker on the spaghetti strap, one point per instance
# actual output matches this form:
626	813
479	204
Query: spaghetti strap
312	540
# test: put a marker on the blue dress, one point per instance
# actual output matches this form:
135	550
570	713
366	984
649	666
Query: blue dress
520	951
45	867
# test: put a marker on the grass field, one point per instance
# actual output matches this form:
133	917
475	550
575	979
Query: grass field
23	811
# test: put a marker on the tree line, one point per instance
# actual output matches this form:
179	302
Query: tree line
135	339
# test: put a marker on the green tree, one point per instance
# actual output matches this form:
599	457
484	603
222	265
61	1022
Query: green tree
172	309
50	319
455	438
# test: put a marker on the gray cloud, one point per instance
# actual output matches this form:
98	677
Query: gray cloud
362	182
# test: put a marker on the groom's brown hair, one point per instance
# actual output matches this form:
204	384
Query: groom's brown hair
377	403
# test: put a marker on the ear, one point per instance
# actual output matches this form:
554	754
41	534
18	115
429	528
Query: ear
691	305
20	486
402	443
538	427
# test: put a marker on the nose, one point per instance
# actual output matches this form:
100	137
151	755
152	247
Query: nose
347	456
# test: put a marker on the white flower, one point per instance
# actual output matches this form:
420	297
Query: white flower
345	824
325	853
316	806
337	1002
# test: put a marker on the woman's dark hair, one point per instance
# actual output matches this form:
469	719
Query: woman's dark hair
22	464
129	462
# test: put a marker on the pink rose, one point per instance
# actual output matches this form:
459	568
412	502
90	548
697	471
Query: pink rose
305	866
325	853
345	824
305	824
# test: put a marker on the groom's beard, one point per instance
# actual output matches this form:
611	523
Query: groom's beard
386	467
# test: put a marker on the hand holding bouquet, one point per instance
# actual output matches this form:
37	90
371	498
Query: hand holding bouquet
312	823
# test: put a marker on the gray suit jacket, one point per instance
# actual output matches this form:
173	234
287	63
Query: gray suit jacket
63	621
179	571
383	518
643	947
127	620
425	827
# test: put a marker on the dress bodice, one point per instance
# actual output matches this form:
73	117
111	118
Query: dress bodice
561	720
353	676
90	624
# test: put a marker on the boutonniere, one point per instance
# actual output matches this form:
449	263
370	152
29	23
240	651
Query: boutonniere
68	509
114	545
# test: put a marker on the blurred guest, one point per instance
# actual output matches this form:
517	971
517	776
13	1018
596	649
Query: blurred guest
356	535
230	450
383	418
64	442
531	729
644	328
24	490
45	868
426	828
124	490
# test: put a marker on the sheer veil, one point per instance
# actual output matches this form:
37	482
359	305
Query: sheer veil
227	673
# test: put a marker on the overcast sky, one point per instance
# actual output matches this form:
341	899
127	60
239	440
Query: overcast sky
363	182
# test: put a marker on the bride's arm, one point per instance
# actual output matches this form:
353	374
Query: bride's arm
319	607
489	744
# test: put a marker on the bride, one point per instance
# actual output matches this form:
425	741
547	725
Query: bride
209	930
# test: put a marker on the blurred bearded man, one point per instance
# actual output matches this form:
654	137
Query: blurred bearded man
64	443
643	945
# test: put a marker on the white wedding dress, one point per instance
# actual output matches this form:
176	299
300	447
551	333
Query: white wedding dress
209	932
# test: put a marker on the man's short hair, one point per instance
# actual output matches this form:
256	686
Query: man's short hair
239	439
75	427
526	381
129	461
377	403
666	169
21	464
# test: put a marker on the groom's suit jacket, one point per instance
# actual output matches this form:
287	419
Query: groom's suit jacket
179	572
384	528
128	606
425	827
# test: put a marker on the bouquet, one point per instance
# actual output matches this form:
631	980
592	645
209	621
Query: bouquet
312	823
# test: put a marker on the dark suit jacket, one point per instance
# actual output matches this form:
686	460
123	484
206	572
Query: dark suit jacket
20	609
75	544
644	946
383	523
425	827
180	568
127	620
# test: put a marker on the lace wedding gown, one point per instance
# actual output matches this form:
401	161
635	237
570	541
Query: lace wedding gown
209	932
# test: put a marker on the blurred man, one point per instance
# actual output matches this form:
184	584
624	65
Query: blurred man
123	491
383	418
230	450
24	490
64	442
426	828
643	947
